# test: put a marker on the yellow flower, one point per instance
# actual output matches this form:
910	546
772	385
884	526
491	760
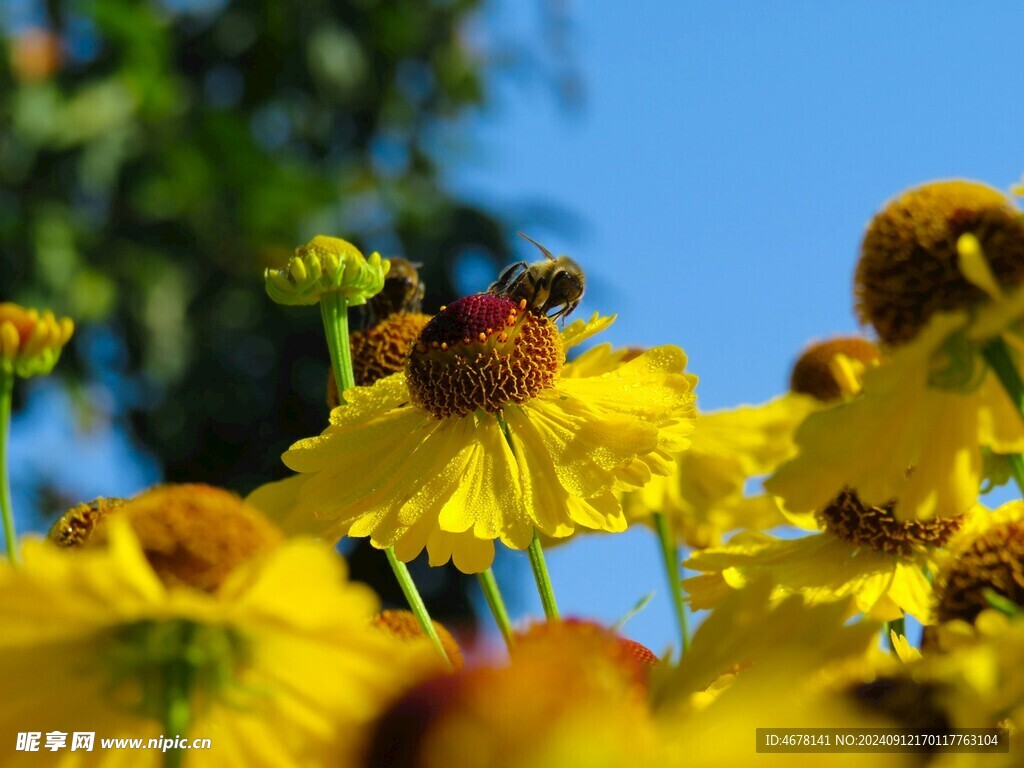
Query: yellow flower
30	343
569	697
283	665
482	438
706	497
975	673
916	431
860	551
986	557
939	279
327	265
191	534
911	267
756	663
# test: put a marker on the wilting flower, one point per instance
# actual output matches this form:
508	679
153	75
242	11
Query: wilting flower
933	276
706	497
482	438
278	666
31	343
860	551
327	265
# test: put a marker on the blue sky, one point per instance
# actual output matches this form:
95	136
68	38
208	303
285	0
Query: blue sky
718	176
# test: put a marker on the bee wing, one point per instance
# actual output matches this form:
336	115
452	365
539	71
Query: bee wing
547	254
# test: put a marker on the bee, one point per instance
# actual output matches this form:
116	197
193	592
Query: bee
555	283
402	292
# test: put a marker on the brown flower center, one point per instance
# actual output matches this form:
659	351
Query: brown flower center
483	351
77	524
851	520
909	265
994	561
905	701
813	373
194	535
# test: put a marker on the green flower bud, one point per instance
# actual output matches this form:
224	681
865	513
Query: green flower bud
325	265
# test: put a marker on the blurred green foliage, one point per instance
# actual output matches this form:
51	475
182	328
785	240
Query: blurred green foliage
155	157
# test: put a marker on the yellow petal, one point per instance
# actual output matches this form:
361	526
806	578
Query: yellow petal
579	331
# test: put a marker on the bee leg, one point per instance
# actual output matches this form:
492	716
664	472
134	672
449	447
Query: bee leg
543	284
508	277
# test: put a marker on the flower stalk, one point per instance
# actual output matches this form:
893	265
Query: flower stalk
416	605
177	711
334	312
670	558
543	579
998	357
496	603
6	395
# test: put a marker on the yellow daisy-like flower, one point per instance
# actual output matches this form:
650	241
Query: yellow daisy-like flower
706	497
986	559
279	666
550	707
327	265
859	551
917	430
31	343
482	438
976	675
756	663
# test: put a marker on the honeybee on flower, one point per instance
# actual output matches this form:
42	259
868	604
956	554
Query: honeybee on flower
481	437
557	282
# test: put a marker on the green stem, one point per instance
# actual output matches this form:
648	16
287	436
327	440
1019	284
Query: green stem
998	357
412	595
543	579
334	311
497	604
6	394
670	558
177	712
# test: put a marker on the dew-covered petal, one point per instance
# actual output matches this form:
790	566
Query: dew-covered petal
586	446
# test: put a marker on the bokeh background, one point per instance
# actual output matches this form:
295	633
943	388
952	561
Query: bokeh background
712	167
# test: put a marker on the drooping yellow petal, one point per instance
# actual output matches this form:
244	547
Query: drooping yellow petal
820	567
900	439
